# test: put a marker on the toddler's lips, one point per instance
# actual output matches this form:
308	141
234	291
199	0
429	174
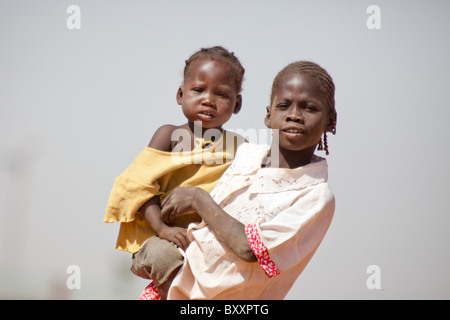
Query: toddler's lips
206	116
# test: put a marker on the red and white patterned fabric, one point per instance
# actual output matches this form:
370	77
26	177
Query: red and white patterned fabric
150	293
260	251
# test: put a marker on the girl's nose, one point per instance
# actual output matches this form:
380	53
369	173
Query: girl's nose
295	114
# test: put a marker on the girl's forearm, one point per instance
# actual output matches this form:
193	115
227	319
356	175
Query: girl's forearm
227	229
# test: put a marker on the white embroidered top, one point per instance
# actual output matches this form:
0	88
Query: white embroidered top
286	213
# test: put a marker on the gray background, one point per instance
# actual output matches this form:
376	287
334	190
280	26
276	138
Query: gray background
76	107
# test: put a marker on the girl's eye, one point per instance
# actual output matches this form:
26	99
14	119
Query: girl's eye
198	90
222	94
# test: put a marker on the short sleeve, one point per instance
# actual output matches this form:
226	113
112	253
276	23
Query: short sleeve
295	233
137	184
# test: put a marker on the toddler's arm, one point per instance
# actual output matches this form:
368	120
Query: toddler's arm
162	138
152	213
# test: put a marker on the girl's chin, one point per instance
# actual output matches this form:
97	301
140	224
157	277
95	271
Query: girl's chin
296	147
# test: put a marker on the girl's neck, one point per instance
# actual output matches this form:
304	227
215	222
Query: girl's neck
289	159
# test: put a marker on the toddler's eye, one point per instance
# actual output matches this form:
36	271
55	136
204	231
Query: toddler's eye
198	90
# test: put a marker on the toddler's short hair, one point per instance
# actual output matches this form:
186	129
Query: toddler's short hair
218	53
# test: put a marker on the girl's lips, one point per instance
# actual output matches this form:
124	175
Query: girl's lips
293	131
292	135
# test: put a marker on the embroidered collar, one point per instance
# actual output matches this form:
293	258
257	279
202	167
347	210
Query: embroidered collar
268	180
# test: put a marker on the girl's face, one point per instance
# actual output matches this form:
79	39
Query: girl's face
209	94
299	113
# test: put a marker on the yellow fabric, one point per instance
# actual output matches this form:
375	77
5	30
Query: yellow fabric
156	172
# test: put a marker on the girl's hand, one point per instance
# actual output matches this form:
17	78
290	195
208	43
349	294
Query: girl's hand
180	201
176	235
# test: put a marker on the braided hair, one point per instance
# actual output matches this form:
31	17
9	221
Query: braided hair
218	53
313	70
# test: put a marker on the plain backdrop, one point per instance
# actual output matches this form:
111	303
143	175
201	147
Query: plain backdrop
78	105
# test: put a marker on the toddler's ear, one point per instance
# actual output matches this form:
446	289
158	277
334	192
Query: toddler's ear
180	95
238	105
267	120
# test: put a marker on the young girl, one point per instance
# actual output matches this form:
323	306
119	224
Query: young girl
266	217
178	156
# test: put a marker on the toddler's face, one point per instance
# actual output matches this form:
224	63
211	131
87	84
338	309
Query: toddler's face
298	112
209	94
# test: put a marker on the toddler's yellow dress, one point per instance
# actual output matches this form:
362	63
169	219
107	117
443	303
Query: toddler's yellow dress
156	173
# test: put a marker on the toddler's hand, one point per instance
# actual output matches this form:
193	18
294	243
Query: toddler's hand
176	235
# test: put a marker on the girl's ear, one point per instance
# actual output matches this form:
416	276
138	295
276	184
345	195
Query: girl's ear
267	120
180	95
238	105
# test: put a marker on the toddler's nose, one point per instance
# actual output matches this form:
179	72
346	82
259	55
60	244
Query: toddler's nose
208	100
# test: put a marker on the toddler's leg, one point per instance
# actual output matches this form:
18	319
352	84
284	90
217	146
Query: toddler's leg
157	260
